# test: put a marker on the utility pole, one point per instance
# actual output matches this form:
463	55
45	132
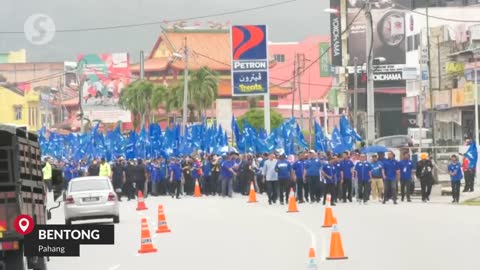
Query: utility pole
300	67
355	93
142	65
429	64
80	82
185	91
370	83
293	86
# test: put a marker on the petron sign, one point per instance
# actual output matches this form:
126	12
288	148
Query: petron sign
336	33
249	60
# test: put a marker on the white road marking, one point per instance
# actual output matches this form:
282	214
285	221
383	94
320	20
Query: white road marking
305	227
114	267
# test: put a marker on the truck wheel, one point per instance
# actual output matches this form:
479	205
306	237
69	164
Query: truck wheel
116	219
68	222
14	260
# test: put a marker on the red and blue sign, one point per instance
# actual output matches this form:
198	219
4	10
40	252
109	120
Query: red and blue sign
249	60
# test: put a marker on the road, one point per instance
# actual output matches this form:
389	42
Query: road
215	233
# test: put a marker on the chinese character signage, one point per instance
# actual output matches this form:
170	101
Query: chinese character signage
249	60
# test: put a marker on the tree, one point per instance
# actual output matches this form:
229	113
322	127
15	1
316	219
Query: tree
141	97
255	117
202	93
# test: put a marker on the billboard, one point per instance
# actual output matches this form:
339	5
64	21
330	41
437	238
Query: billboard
249	60
104	76
389	30
336	33
325	67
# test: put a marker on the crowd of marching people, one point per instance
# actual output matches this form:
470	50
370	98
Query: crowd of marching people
347	177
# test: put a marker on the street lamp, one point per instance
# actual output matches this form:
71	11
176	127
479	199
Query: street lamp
178	56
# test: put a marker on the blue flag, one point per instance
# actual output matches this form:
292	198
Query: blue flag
472	155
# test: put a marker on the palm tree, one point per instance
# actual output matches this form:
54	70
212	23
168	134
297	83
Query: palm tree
202	93
141	97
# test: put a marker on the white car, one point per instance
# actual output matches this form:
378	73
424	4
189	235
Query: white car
91	197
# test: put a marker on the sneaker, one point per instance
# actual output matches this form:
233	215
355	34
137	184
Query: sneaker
408	200
395	202
281	203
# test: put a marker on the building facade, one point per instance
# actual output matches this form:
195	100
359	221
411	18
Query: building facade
19	107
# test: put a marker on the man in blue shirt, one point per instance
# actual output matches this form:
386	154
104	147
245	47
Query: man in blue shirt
363	172
175	170
455	171
302	186
377	179
284	171
392	173
406	177
346	167
312	174
227	173
329	175
162	174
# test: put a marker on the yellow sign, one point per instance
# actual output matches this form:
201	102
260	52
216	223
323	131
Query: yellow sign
454	68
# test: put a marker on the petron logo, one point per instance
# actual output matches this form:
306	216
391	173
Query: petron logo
249	42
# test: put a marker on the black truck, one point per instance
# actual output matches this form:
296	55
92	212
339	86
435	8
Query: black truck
22	191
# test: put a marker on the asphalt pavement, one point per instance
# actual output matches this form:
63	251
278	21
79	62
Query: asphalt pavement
222	233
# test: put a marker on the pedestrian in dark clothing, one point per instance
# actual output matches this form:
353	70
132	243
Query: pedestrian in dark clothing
312	173
175	178
284	172
455	171
302	187
140	174
118	177
392	173
215	174
128	187
94	169
189	185
363	172
406	176
244	175
329	174
424	173
346	167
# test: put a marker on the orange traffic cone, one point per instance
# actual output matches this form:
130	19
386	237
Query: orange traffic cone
252	197
329	219
336	246
292	202
162	221
197	192
141	202
146	245
311	253
312	262
335	221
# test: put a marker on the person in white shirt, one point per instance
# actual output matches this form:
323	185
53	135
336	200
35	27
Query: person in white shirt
271	178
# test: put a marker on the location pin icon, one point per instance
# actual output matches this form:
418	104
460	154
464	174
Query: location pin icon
24	224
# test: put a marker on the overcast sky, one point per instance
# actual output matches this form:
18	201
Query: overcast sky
289	22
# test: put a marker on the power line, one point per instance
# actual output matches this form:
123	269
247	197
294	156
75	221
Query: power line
438	17
228	65
162	22
327	50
